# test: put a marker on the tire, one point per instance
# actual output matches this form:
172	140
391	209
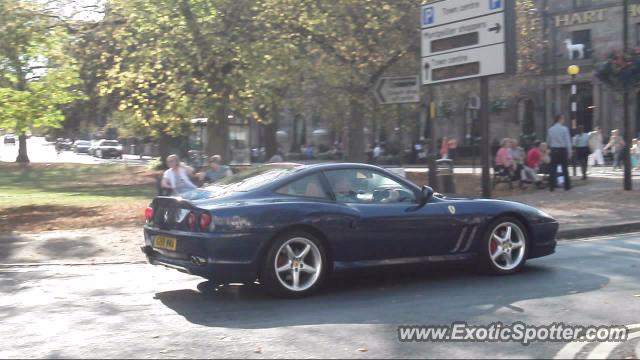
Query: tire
504	252
282	283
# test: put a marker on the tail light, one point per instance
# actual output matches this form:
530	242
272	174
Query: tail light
205	221
191	220
148	213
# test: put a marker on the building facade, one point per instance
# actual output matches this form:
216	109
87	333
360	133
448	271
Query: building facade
583	33
571	32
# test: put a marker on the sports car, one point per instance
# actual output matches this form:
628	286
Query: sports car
289	226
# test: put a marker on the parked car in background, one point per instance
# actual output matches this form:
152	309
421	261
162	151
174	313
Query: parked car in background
108	149
81	146
9	139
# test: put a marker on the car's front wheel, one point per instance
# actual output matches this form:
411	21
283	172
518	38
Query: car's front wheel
295	265
505	247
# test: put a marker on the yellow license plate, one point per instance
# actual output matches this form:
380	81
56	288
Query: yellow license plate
165	242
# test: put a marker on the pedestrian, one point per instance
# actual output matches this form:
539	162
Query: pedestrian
177	179
581	144
635	154
504	159
444	148
533	164
377	152
596	145
216	170
519	156
616	147
277	157
452	149
559	140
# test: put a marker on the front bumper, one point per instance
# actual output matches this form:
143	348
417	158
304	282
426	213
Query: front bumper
222	258
544	239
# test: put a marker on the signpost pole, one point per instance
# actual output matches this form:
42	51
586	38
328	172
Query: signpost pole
484	141
628	183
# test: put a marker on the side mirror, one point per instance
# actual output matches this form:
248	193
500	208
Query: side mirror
427	195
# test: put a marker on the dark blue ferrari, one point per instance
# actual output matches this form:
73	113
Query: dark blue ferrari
290	225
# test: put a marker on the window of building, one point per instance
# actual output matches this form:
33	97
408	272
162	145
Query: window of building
581	37
638	34
579	4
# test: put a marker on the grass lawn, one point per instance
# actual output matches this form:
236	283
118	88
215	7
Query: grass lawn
69	196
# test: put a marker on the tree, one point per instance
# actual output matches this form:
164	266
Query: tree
179	59
36	78
351	44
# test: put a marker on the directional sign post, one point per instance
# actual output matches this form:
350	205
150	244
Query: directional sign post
398	90
465	39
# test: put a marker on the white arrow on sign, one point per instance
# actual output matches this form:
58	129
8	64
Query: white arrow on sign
463	35
398	90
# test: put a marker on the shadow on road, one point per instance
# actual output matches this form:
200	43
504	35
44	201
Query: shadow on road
383	296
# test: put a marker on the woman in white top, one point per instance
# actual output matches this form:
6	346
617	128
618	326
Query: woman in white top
178	177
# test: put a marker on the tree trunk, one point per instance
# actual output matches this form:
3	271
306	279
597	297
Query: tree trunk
22	150
218	134
356	150
270	132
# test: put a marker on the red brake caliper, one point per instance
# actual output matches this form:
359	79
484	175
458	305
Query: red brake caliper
282	260
493	246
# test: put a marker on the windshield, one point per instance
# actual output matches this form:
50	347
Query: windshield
244	181
110	143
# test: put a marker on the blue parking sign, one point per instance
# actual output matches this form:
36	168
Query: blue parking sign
495	4
428	16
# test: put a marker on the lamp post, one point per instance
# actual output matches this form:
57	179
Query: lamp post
573	71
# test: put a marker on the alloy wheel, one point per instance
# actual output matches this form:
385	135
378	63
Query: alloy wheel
298	264
507	246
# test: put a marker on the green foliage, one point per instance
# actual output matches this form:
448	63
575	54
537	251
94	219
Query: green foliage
36	76
621	70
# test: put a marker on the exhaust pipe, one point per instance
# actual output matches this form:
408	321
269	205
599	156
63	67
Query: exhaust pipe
199	261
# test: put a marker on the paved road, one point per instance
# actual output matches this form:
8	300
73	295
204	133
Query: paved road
41	151
136	310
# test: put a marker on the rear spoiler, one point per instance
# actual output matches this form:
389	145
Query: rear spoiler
171	201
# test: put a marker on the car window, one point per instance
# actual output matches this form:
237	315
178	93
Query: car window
368	187
309	186
110	143
250	179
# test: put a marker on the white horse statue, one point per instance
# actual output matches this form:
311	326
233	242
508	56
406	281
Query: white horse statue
572	48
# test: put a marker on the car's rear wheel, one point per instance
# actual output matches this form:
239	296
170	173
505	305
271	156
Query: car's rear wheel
505	247
295	265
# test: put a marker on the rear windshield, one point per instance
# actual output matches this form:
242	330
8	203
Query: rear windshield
246	180
110	143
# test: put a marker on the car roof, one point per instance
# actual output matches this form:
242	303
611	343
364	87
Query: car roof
307	169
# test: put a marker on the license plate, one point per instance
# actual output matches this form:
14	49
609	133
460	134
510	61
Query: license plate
165	242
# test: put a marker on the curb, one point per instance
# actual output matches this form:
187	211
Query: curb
614	229
31	265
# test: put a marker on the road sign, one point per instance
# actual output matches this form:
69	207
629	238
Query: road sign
398	90
449	11
483	61
467	34
463	39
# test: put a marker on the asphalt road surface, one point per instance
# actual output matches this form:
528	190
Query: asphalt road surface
140	311
41	151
